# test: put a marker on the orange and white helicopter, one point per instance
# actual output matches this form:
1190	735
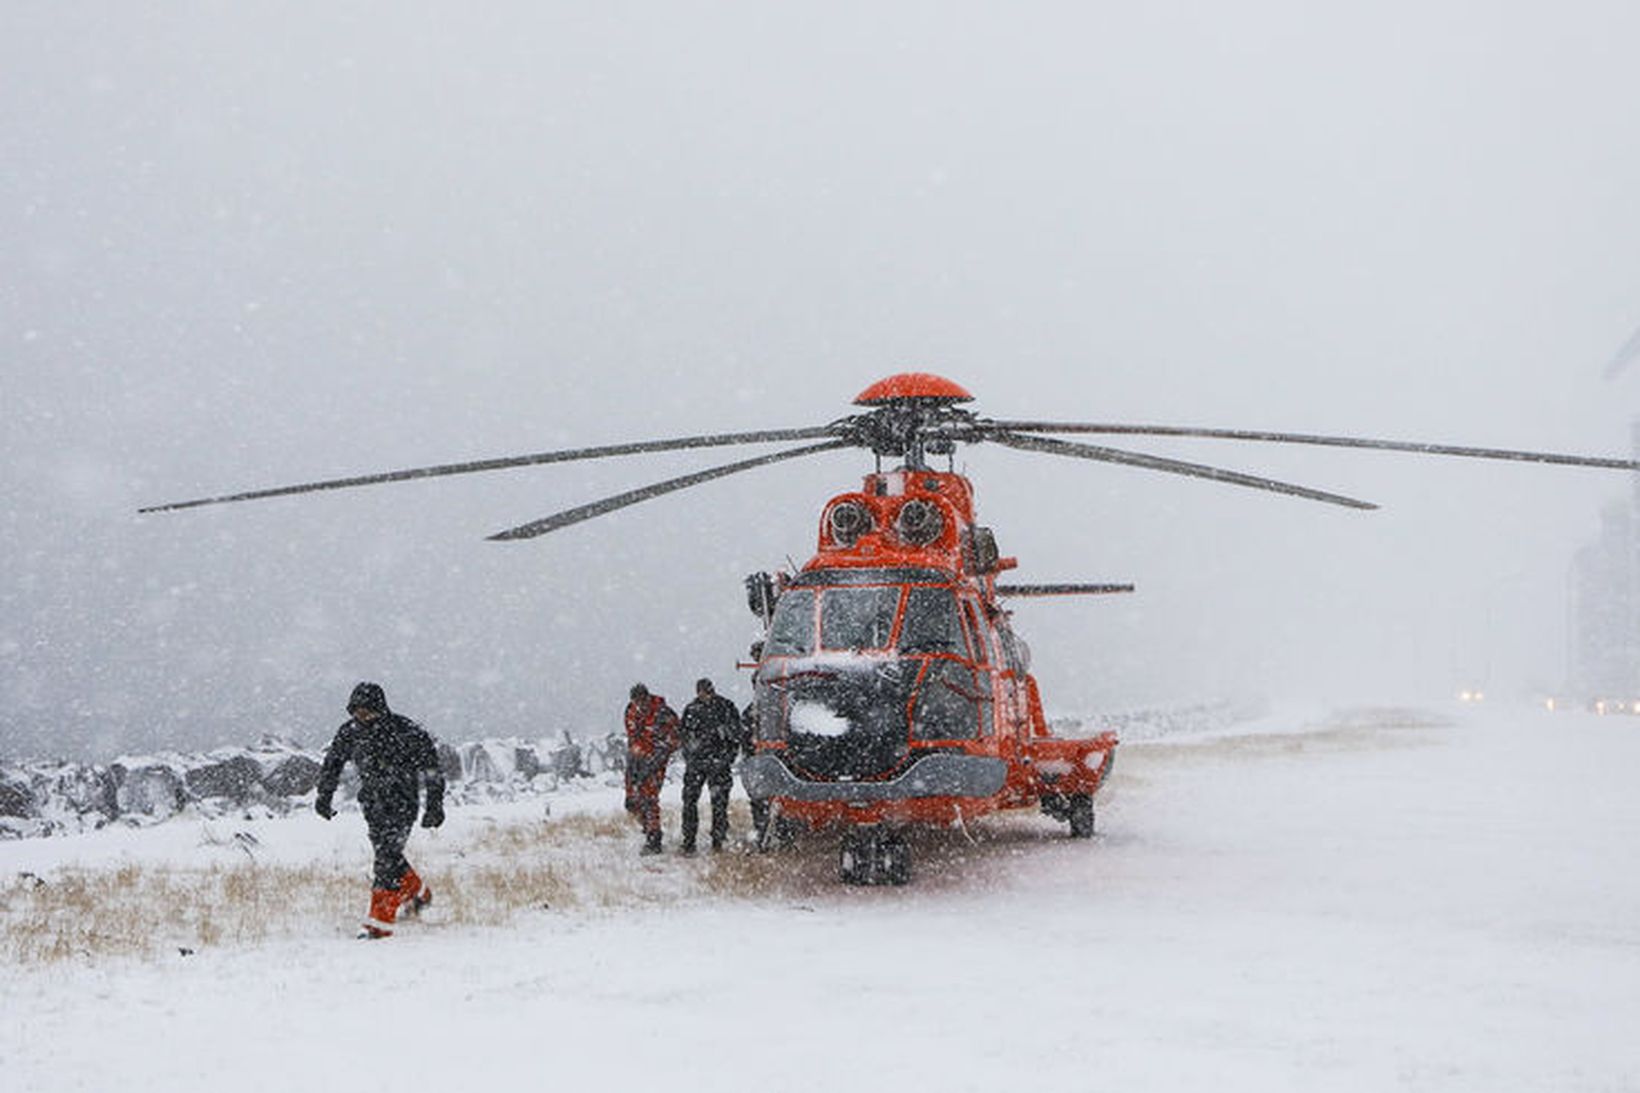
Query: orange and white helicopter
890	689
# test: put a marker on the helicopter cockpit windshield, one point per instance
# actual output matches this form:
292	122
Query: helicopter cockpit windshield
839	679
931	623
791	632
858	618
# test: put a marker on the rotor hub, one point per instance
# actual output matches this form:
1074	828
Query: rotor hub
914	416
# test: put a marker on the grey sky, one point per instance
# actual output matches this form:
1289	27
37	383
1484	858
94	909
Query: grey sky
244	246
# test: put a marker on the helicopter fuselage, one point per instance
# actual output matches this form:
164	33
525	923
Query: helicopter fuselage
890	687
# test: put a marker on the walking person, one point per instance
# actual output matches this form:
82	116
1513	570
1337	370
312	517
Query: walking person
711	740
395	758
651	738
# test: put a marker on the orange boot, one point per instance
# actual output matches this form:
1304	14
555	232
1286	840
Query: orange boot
384	908
413	895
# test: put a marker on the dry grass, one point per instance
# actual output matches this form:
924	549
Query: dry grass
582	864
142	909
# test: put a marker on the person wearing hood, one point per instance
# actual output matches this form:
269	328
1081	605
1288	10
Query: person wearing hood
395	758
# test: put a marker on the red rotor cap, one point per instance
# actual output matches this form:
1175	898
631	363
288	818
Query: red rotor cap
912	385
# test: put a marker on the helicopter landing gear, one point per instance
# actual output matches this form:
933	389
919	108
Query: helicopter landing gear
781	834
1081	816
874	855
1074	807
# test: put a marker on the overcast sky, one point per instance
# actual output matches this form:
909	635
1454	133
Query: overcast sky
246	245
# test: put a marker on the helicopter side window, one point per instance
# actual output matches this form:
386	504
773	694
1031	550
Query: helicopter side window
857	618
931	624
791	634
948	703
1014	658
976	636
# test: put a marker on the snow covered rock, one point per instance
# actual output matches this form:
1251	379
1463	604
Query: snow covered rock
603	754
564	757
269	778
227	772
526	763
70	789
449	762
16	797
286	769
485	761
149	787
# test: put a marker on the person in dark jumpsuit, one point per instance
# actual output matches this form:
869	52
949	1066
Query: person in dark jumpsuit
651	738
395	758
711	740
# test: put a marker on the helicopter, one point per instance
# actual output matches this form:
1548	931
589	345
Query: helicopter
889	688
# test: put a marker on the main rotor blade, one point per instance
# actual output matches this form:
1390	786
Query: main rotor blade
632	497
1172	466
564	456
1324	441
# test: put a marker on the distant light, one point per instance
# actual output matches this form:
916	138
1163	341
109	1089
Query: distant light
1549	704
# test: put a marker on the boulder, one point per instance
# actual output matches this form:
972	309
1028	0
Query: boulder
149	787
604	753
526	764
291	776
287	768
226	773
16	796
449	762
564	758
478	764
70	788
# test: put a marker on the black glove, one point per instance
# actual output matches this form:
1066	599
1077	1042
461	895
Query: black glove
322	807
433	814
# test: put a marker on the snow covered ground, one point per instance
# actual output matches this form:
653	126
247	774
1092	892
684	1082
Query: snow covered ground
1381	902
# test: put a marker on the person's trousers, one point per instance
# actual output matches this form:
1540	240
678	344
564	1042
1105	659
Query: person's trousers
718	779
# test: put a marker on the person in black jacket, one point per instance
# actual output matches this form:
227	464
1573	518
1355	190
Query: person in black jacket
711	740
395	757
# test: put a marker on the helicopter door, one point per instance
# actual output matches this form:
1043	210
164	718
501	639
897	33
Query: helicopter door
1014	669
982	671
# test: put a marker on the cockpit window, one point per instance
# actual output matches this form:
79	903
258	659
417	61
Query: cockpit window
931	624
791	634
857	618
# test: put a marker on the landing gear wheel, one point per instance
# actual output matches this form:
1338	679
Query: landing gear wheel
781	834
857	857
1081	815
895	860
874	856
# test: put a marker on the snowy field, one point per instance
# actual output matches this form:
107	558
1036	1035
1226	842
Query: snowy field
1375	903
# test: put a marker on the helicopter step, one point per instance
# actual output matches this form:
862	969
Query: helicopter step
874	855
